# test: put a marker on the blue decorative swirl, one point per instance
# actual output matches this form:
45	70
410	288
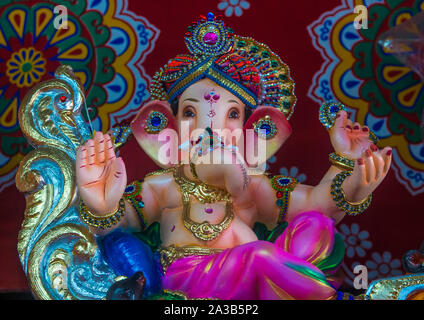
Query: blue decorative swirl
325	30
325	90
416	176
141	93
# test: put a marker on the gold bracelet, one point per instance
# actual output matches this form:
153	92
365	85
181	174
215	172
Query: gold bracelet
341	161
102	222
339	196
353	204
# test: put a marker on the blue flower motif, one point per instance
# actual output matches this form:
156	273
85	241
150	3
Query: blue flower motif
293	172
355	240
382	266
233	6
270	160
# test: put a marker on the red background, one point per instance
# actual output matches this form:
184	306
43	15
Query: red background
395	219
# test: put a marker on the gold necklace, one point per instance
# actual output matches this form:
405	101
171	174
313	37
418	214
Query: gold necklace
205	194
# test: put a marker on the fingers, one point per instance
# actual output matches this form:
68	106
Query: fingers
91	151
104	151
387	156
359	173
382	160
341	120
378	162
338	129
98	150
349	125
360	131
109	152
375	163
81	157
369	164
356	127
99	141
344	123
368	172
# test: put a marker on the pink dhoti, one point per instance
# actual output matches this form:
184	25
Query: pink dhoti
259	270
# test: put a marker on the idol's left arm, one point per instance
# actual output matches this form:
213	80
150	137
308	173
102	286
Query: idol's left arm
369	171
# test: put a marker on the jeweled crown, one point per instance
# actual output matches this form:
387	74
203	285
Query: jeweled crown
243	66
209	36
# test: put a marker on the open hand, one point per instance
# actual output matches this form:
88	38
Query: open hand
349	139
101	177
369	171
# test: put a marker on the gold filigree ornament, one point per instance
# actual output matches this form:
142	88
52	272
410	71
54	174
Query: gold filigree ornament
204	193
169	254
395	288
54	245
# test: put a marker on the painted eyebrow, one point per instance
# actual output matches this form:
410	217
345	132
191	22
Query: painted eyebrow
191	99
229	101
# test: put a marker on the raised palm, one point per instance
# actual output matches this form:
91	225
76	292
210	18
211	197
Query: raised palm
101	177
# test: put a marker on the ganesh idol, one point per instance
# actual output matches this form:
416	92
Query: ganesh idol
224	229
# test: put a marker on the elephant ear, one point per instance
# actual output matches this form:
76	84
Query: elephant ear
273	123
155	130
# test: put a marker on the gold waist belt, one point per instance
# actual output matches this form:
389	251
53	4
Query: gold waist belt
169	254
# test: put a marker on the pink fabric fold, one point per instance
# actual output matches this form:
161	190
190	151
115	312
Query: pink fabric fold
261	270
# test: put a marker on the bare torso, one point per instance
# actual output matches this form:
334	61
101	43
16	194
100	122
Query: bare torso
173	231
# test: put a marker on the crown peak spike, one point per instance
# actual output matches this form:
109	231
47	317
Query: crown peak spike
210	16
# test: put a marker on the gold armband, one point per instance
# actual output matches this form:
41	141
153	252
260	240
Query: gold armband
283	186
133	195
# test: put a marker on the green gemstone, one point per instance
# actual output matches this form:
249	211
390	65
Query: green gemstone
265	54
274	63
254	49
241	44
282	77
286	92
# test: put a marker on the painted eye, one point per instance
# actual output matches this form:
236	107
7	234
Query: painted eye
234	115
189	114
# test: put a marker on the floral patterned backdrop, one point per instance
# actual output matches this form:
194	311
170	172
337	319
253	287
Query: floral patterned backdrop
116	46
382	93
